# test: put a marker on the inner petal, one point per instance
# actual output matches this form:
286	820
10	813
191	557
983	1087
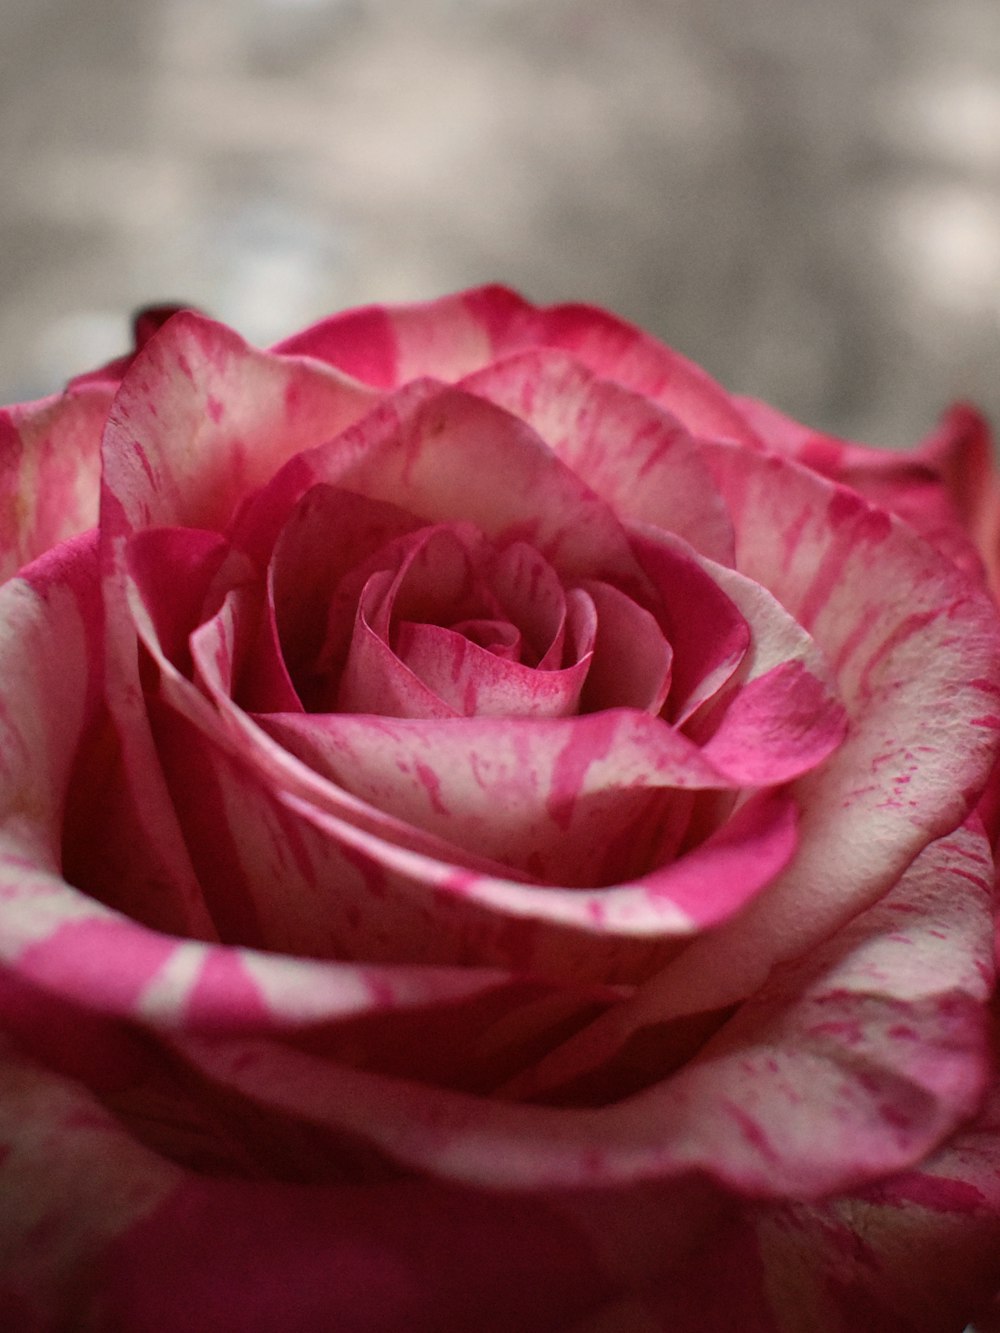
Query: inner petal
498	637
440	634
476	682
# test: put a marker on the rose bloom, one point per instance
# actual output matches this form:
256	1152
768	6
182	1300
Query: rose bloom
492	839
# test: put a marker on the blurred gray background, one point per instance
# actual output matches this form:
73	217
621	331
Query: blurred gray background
803	196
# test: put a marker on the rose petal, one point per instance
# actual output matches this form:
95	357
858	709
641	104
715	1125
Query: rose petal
399	666
71	1182
938	488
131	1241
389	345
578	801
375	680
707	634
477	682
533	598
628	449
853	1064
201	419
49	472
918	677
780	715
915	1254
173	569
328	534
198	419
638	678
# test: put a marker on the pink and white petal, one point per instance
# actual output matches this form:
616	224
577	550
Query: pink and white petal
917	1253
58	940
938	488
618	935
447	456
778	726
920	1254
631	451
387	346
263	679
775	717
849	1067
638	678
576	801
533	597
465	1028
618	351
262	515
50	458
50	664
201	420
173	570
708	634
883	1032
918	675
54	803
476	682
375	679
327	534
179	576
782	715
863	1057
100	1232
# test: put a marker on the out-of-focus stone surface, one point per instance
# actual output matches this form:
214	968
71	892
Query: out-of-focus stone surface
804	197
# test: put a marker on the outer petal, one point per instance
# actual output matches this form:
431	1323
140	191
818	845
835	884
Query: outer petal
944	488
853	1064
918	1253
71	1182
919	679
49	617
49	472
98	1232
201	420
753	687
389	345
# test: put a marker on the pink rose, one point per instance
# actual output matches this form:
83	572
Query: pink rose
486	843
